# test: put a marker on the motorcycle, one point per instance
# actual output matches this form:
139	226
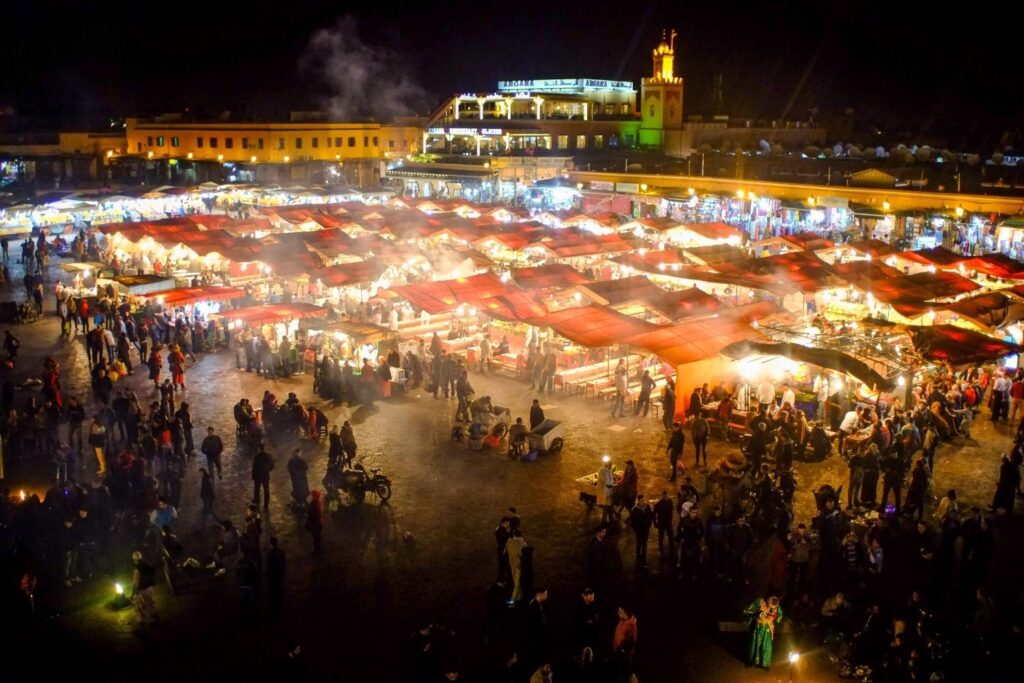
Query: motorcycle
358	481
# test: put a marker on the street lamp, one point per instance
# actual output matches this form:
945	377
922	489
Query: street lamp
959	212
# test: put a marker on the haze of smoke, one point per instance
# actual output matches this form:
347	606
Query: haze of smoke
363	81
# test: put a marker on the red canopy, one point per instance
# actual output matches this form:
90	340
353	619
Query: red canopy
445	295
548	276
273	313
594	325
695	340
345	274
190	295
958	346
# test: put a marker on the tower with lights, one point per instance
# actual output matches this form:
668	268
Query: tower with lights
661	99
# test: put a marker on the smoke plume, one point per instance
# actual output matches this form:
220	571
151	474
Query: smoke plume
363	81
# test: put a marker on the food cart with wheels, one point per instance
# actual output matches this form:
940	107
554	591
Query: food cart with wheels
588	486
547	437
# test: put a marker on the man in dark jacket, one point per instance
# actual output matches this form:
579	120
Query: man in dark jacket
663	523
262	464
674	451
536	414
640	518
892	477
644	400
212	447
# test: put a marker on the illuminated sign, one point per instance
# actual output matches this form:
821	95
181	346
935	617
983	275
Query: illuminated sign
462	131
564	85
436	131
491	131
465	131
602	185
632	188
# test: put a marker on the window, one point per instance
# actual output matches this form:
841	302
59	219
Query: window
159	140
229	143
366	141
175	142
140	146
391	144
328	139
598	142
298	143
280	143
245	143
213	143
563	142
351	142
337	142
376	141
316	142
149	141
199	142
581	142
259	143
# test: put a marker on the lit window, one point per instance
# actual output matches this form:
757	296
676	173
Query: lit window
159	140
175	142
563	142
598	142
581	142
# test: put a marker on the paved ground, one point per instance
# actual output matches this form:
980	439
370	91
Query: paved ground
354	609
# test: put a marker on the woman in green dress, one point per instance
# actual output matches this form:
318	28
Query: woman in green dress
763	616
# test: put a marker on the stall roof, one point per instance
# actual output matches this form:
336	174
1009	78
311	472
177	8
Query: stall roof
997	265
808	241
445	295
715	231
672	304
184	296
958	346
273	313
992	310
864	273
783	273
936	256
346	274
514	306
362	332
549	276
650	261
831	359
873	248
714	253
694	340
922	287
594	325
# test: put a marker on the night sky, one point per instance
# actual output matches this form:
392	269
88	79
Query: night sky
924	68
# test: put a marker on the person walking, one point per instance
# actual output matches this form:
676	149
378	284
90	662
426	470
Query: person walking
98	441
621	390
297	471
668	403
647	385
207	495
502	533
624	642
315	520
277	564
262	465
674	450
699	431
514	550
212	447
463	390
663	510
640	518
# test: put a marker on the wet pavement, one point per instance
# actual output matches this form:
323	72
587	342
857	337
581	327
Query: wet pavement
426	555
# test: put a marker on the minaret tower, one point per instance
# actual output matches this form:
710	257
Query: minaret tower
661	95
